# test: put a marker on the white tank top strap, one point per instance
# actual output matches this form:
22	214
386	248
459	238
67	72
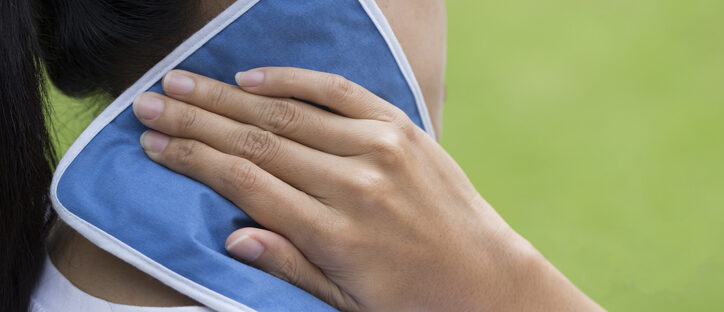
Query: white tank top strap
54	293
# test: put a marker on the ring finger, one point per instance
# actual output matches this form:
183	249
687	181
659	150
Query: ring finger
268	200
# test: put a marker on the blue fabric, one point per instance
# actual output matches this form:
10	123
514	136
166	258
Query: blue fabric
183	224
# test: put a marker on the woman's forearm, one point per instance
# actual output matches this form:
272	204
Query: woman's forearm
536	285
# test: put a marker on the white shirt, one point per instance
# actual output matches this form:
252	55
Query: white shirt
55	293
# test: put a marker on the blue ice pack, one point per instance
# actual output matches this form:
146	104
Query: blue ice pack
174	228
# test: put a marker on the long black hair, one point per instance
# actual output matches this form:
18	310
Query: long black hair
84	47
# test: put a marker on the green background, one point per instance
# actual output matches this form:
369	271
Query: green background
595	128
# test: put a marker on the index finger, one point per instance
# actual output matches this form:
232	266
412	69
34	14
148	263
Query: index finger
333	91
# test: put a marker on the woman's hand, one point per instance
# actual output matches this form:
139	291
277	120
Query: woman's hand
364	209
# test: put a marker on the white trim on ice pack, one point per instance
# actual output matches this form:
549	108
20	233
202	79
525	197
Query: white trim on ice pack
118	248
383	26
106	241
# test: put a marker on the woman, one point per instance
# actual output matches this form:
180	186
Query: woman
457	253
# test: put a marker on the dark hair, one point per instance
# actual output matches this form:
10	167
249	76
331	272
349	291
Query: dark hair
84	47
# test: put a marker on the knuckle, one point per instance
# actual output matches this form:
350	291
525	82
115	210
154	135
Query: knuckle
395	116
288	270
185	153
280	115
241	174
216	95
189	120
339	89
377	201
366	182
406	126
390	146
237	139
372	190
259	146
294	75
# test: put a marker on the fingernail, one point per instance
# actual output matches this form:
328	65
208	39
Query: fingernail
250	78
177	83
148	107
154	142
245	248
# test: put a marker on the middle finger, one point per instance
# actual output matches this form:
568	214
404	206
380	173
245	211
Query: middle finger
307	169
296	120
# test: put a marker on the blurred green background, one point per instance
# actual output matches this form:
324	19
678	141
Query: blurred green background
595	128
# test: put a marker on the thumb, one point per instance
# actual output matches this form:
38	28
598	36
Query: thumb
274	254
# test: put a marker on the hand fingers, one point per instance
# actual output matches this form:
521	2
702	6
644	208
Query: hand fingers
274	254
339	94
268	200
288	160
293	119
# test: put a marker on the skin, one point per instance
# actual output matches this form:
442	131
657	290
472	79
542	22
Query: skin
363	209
419	26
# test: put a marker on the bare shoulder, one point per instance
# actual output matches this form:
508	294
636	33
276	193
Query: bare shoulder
104	276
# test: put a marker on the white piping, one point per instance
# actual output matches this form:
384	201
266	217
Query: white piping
383	26
120	249
106	241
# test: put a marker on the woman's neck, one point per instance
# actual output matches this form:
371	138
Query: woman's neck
102	275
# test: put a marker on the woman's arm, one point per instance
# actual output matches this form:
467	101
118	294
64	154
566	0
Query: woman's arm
364	210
